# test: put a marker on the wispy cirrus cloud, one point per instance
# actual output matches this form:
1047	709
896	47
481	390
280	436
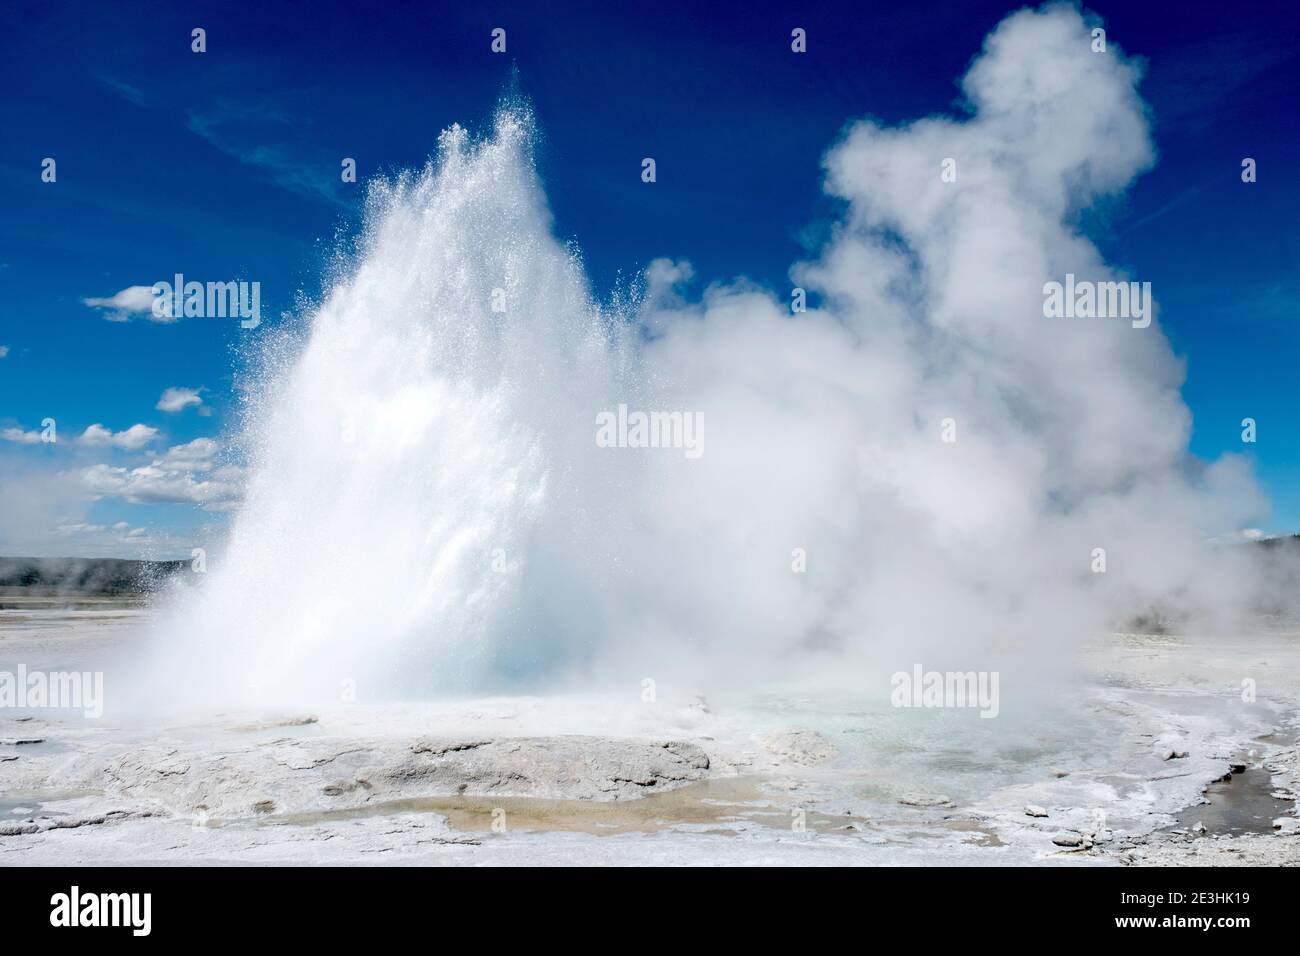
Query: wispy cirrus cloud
261	131
128	92
270	139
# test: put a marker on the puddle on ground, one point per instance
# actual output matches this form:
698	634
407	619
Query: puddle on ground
982	835
720	803
715	806
31	746
19	805
1240	804
277	727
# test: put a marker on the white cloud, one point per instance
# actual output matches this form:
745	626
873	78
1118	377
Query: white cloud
196	455
46	512
153	485
184	474
132	439
131	301
83	539
178	398
4	351
123	528
20	436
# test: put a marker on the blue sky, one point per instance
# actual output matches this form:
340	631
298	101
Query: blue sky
226	165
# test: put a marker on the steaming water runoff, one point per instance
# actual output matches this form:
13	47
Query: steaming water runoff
450	624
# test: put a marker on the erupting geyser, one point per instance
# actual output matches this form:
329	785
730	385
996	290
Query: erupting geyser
921	466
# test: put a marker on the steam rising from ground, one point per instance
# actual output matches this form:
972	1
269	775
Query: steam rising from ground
428	509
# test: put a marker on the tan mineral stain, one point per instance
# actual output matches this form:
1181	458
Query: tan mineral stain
720	802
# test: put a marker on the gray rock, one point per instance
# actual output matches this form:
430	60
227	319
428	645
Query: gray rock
914	799
330	773
581	768
800	746
1033	811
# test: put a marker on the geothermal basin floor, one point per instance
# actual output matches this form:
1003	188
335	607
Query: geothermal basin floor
1159	762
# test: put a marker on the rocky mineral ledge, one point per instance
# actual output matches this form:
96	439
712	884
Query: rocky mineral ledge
289	776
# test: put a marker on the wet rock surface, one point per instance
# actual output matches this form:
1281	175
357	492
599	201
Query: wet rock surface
324	773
